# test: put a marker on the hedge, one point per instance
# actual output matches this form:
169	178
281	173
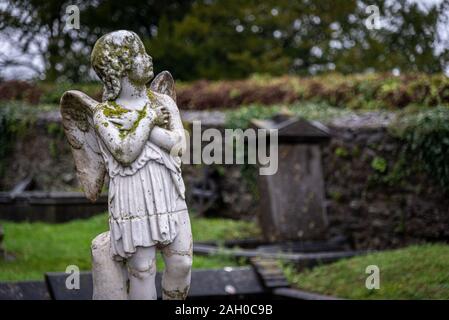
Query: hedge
358	91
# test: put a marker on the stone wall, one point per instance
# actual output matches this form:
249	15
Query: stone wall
41	151
379	205
368	201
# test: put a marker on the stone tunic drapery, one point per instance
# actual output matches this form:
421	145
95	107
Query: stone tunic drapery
144	200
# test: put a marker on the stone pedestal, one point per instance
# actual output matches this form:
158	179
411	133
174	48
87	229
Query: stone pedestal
109	276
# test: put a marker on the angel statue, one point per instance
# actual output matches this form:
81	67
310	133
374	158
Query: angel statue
135	136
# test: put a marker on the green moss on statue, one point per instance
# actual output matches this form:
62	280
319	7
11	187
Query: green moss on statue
151	96
142	114
112	109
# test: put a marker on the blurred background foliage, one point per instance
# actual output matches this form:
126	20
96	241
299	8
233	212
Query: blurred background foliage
370	91
216	39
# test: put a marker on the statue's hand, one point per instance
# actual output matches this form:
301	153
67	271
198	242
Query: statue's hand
162	116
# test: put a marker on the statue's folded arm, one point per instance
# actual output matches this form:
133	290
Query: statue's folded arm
125	147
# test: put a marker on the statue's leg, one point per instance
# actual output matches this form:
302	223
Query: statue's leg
142	273
178	262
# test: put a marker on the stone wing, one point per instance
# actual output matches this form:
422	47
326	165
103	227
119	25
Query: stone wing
77	111
165	84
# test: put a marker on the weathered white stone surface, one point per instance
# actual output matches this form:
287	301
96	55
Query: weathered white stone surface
136	137
109	276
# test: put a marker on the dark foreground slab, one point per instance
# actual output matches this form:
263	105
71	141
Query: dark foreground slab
294	294
211	284
26	290
228	283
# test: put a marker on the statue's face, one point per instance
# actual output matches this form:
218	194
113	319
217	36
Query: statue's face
141	70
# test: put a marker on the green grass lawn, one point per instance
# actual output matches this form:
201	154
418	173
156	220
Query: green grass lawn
416	272
42	247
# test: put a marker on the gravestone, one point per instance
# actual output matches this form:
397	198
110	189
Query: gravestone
292	200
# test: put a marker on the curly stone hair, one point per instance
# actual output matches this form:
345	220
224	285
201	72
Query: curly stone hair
111	58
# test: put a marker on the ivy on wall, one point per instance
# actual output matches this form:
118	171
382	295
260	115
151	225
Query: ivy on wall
426	137
15	119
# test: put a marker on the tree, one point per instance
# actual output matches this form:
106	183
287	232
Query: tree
232	39
41	24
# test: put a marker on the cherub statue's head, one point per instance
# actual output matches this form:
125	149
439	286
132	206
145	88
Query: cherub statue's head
120	54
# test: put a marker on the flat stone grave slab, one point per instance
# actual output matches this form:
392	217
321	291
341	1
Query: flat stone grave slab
24	290
230	282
